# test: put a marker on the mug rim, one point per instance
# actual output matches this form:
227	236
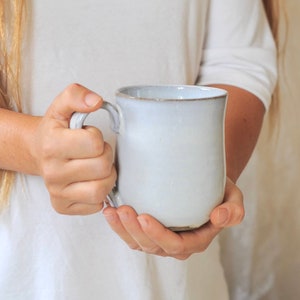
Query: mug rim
121	92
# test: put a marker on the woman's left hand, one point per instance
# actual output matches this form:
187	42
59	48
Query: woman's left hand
145	233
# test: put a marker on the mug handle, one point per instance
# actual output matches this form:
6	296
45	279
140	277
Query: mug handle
77	121
78	118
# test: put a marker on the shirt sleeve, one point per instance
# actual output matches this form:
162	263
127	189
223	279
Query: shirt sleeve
239	48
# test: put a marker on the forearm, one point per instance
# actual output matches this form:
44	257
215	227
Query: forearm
243	123
16	138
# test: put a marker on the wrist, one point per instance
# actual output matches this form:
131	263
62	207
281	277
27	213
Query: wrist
31	143
17	133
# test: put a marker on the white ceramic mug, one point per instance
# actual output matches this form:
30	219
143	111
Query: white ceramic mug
170	155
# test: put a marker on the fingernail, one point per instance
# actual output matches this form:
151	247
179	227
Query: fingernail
222	216
92	99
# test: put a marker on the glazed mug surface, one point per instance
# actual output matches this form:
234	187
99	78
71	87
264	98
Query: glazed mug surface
170	155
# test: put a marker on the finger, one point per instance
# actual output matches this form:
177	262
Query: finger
74	98
83	209
129	220
86	143
178	245
89	192
112	217
88	169
68	144
231	212
79	170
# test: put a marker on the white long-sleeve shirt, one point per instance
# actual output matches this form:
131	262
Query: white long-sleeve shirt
105	45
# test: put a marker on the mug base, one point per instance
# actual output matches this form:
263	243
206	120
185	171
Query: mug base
182	228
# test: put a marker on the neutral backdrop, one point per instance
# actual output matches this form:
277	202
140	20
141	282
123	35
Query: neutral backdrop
262	256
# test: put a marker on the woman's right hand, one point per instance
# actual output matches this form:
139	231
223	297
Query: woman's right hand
145	233
76	165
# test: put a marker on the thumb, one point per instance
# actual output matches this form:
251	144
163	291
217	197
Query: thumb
75	98
231	212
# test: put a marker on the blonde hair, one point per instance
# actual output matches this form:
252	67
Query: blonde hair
272	9
12	13
11	19
278	20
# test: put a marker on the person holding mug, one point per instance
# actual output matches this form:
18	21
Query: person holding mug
48	167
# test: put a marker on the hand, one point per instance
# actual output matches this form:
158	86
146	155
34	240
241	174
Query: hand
77	165
143	232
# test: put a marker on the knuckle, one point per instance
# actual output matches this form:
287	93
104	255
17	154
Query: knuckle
49	173
105	168
133	246
105	186
240	214
176	251
96	143
152	250
98	193
58	207
182	256
56	195
85	210
108	148
95	132
70	90
240	195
